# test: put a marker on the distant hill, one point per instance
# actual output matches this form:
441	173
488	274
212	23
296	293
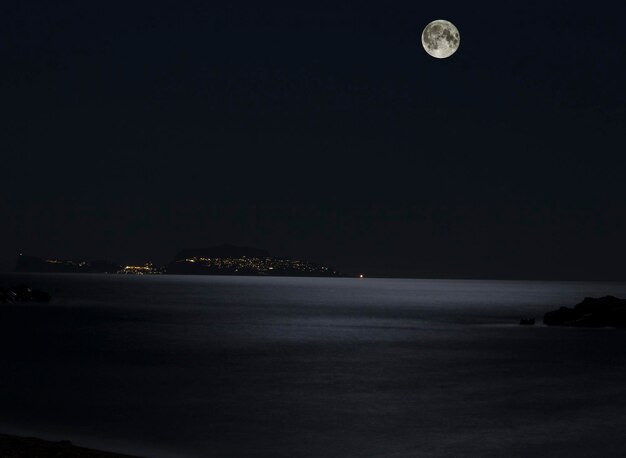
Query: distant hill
220	260
222	251
34	264
234	260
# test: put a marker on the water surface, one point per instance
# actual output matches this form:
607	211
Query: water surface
251	366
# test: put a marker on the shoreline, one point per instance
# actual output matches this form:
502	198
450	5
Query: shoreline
12	446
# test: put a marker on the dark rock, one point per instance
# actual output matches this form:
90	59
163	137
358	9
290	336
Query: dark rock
591	312
23	293
29	447
7	296
39	296
559	317
600	305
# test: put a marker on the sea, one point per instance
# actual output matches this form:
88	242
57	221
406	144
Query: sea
210	366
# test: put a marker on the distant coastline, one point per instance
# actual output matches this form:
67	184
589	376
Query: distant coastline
220	260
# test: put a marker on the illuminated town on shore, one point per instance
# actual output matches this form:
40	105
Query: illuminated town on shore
221	260
249	266
146	269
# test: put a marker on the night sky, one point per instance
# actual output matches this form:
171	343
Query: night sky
130	130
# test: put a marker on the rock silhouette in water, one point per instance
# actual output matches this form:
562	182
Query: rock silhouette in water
591	312
23	293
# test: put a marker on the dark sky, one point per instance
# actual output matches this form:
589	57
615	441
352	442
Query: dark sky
320	130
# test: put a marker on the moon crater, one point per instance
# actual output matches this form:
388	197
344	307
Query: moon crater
441	39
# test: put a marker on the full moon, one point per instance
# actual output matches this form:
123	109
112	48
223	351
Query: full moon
441	39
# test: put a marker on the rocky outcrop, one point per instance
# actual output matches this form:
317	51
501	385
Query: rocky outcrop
22	447
591	312
23	293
